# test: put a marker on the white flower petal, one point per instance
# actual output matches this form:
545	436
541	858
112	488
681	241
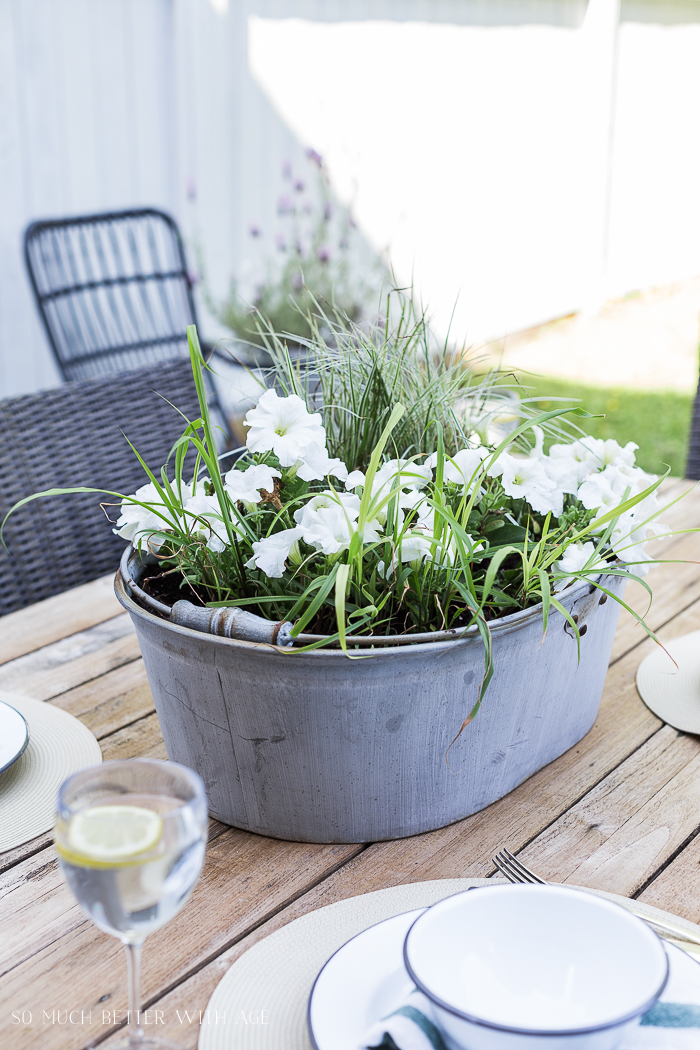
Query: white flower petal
271	553
525	478
284	426
203	516
137	524
355	479
316	464
245	485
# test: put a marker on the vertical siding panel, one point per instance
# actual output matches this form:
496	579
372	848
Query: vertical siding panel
109	71
32	174
79	106
14	324
149	101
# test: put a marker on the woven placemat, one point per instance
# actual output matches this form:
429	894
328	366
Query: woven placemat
262	1000
59	745
673	692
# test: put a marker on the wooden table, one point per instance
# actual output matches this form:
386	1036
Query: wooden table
620	811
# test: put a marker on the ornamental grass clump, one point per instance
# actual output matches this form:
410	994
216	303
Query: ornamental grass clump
375	498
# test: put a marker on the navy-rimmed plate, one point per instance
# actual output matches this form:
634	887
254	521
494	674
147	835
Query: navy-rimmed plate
14	735
362	982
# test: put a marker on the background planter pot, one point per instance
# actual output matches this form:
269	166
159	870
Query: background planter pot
315	747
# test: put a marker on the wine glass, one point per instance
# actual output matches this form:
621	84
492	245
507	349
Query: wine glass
130	837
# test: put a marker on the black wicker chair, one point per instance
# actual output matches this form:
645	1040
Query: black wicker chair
73	436
692	469
113	292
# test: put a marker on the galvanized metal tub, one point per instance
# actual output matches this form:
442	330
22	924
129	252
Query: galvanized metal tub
317	747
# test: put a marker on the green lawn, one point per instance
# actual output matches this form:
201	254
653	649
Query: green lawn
658	422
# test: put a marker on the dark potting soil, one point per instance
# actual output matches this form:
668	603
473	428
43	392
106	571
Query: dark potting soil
169	587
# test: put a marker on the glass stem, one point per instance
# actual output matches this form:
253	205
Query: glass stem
133	969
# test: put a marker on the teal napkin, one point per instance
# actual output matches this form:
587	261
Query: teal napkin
672	1024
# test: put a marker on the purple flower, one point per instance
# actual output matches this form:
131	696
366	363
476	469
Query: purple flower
287	169
299	186
280	242
191	188
315	157
297	282
284	205
254	230
323	253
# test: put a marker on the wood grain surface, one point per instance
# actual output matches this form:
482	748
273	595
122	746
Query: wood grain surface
620	811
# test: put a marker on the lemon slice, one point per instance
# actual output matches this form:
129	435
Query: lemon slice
112	834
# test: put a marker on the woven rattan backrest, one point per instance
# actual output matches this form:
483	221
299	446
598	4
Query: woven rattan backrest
73	436
692	468
112	290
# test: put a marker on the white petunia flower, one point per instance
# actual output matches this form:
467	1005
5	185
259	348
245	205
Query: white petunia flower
607	489
137	524
414	475
632	531
569	465
461	468
598	493
245	485
332	530
577	556
284	426
355	480
329	521
405	477
418	544
203	516
348	500
270	554
316	464
608	452
526	478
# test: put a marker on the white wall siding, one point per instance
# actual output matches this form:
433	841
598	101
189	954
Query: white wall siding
472	136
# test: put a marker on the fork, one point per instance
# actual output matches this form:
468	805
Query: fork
515	871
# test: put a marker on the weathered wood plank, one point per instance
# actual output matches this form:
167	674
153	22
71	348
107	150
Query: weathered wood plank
674	587
616	837
631	856
38	908
69	613
11	857
113	700
143	739
72	661
677	887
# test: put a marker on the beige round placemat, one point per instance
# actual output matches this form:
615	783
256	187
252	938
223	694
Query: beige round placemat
261	1002
58	745
673	692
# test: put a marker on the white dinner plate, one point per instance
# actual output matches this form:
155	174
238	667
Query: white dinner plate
14	735
364	981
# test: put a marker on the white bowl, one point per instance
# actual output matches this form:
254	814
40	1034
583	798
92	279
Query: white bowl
532	966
